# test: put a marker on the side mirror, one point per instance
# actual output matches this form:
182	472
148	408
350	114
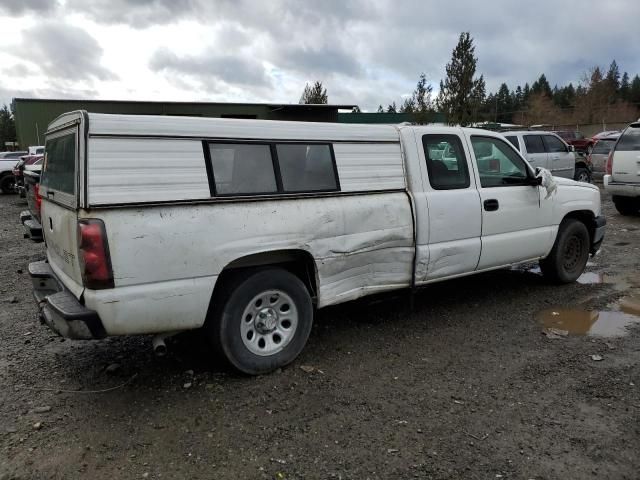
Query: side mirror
572	148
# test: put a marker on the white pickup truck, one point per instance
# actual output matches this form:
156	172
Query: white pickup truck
155	225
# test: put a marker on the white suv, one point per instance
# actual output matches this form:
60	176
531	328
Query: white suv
622	181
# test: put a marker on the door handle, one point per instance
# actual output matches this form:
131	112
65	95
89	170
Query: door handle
491	205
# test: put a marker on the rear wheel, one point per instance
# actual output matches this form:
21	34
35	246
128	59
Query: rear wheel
263	322
7	184
570	252
626	205
582	175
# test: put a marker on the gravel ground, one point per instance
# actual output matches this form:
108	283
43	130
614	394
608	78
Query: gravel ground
465	385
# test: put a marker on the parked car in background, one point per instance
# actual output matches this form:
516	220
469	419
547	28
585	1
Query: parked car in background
36	150
31	218
548	150
8	160
19	169
605	133
622	180
598	156
581	143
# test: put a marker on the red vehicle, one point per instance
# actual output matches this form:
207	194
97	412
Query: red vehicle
18	170
577	139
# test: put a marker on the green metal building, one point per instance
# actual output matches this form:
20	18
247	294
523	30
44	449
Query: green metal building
32	115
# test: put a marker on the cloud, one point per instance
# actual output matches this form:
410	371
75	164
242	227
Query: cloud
16	8
64	52
211	66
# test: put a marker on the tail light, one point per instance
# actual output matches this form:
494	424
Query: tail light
93	249
610	163
36	192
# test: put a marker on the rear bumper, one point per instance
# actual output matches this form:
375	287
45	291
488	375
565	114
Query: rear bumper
32	227
598	233
620	189
59	309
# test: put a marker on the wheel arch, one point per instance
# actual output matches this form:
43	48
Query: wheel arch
585	216
297	261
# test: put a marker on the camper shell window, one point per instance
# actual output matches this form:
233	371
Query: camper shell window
266	168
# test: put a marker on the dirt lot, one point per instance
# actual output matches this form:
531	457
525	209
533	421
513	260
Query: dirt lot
464	386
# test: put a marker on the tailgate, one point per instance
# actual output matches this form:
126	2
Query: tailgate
59	188
626	156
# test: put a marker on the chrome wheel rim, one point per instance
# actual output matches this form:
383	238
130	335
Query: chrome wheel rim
269	322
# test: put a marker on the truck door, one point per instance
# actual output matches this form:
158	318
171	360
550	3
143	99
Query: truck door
562	161
448	215
535	153
515	221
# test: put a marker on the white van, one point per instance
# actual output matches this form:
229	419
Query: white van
243	227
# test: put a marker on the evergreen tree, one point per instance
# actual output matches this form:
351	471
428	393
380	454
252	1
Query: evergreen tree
356	109
634	91
392	108
541	86
461	95
408	105
613	77
503	105
7	126
314	94
380	109
625	86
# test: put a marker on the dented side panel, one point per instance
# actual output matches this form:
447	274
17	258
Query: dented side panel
359	243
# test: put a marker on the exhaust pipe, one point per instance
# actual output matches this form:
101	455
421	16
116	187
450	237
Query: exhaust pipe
159	346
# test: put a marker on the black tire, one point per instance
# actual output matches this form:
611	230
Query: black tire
626	205
7	184
226	325
570	252
582	174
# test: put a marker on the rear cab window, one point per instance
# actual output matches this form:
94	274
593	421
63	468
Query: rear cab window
446	162
59	167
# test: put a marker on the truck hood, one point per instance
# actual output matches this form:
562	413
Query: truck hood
560	181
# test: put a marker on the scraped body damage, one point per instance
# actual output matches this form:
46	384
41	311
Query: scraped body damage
359	243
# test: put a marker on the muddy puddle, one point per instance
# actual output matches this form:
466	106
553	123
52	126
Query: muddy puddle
603	323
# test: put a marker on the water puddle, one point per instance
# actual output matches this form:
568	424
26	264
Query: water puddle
591	278
605	323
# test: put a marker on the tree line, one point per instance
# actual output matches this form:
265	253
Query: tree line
601	96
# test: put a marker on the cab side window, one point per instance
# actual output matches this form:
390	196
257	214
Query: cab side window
498	164
554	144
446	163
534	143
514	141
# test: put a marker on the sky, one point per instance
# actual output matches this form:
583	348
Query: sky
366	52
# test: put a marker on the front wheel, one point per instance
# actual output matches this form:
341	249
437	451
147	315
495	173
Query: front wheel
582	175
264	321
570	252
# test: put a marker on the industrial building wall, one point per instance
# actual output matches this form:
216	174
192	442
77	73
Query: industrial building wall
33	115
